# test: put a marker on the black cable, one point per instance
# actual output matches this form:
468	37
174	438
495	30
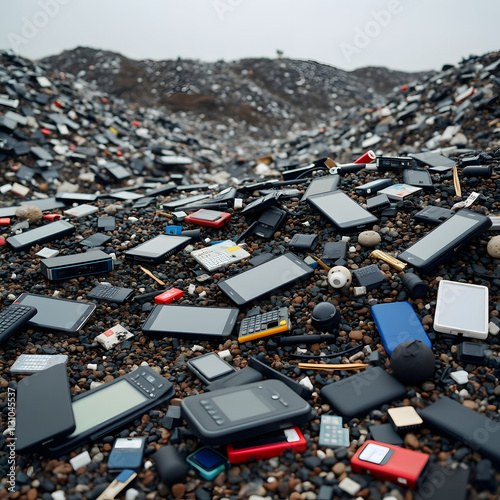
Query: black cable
327	356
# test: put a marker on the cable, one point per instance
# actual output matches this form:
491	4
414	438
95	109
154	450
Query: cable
326	356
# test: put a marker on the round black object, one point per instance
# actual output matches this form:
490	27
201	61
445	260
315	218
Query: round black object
325	317
412	362
170	465
415	285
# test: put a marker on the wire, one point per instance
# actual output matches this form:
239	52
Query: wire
326	356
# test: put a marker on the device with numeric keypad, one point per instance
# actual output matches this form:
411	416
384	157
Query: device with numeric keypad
14	317
256	326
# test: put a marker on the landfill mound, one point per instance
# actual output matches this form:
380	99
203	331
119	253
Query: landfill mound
268	94
64	143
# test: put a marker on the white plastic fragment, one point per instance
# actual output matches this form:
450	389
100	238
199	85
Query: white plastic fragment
81	460
92	366
47	253
493	329
59	495
238	204
191	289
197	348
359	290
306	382
460	376
131	494
349	486
226	354
19	189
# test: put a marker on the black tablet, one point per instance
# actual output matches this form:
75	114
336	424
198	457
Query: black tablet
57	314
342	211
445	240
195	322
277	274
158	248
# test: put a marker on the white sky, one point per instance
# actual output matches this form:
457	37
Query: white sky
409	35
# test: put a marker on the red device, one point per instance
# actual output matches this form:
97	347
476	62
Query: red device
4	221
209	218
268	445
51	217
169	296
390	463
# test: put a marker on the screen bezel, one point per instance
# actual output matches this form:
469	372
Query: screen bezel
137	253
79	321
149	327
441	252
352	224
233	294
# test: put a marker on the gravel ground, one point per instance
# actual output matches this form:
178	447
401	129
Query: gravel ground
294	476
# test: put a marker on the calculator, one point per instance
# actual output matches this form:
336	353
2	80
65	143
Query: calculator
219	255
26	364
108	293
256	326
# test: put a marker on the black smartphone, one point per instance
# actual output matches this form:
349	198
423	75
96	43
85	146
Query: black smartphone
184	201
434	215
143	202
76	197
342	211
278	274
446	240
209	367
158	248
47	232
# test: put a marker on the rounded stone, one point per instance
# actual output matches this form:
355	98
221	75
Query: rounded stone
493	247
31	213
369	238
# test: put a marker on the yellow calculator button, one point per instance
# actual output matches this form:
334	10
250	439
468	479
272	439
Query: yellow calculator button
283	322
233	249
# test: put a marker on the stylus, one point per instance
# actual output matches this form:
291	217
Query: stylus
147	296
306	339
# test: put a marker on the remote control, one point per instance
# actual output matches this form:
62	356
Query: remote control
332	433
13	317
26	364
108	293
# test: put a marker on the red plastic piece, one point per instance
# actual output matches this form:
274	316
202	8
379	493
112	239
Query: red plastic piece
51	217
169	296
404	88
58	104
4	221
2	241
45	131
236	456
368	157
135	123
119	153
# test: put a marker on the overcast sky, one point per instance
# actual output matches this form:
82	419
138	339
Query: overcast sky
409	35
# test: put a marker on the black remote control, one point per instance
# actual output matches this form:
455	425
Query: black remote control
13	317
108	293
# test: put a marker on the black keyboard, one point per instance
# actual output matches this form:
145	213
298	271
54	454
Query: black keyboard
14	317
109	293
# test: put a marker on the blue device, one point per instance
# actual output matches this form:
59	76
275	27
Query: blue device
398	322
208	462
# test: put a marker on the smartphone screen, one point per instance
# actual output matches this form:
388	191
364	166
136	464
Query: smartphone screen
374	453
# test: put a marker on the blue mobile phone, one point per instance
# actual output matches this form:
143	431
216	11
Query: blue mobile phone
398	322
208	462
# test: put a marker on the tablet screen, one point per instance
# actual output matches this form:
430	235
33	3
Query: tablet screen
57	314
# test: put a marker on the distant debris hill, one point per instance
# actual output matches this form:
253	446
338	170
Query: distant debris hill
265	93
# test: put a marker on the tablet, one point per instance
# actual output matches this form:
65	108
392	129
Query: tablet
342	211
322	185
277	274
57	314
195	322
158	248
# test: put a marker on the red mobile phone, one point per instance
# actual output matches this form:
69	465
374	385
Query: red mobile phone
209	218
169	296
390	463
268	445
